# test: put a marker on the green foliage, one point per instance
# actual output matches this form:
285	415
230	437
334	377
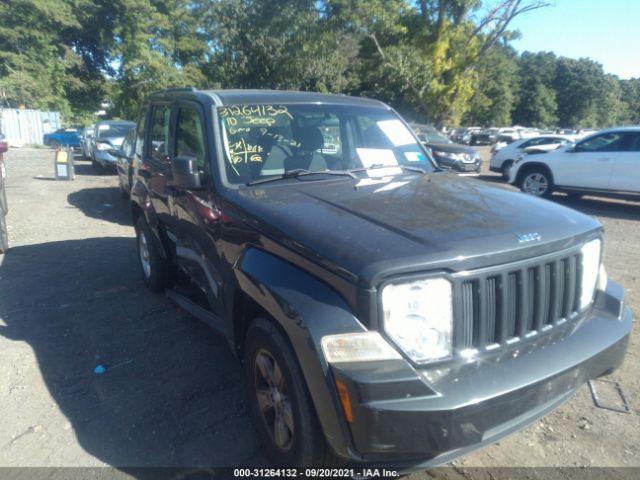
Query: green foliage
537	105
496	90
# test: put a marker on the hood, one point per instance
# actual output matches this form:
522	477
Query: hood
451	147
407	224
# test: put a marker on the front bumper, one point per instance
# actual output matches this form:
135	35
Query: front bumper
412	418
104	159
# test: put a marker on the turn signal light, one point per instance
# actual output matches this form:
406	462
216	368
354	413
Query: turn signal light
345	400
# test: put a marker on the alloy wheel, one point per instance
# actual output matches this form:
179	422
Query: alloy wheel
273	400
535	184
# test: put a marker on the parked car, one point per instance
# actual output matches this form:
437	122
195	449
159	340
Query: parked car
447	154
63	137
501	142
502	160
108	136
605	163
4	147
463	135
124	163
387	312
86	140
488	136
4	206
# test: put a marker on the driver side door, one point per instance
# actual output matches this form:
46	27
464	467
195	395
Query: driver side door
589	164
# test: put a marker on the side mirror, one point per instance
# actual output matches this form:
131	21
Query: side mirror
185	172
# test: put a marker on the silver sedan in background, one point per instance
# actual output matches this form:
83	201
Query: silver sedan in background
108	136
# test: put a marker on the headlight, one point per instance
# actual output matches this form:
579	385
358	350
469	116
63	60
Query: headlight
590	269
103	146
449	155
418	316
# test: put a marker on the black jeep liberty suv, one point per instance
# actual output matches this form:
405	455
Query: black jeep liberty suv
387	313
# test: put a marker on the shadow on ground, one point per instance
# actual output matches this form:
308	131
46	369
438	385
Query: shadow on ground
103	203
601	206
88	169
172	393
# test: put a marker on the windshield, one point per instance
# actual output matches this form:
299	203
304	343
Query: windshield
113	130
266	140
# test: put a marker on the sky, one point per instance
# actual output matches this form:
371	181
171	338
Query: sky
607	31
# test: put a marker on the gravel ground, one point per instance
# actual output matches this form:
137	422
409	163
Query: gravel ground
71	298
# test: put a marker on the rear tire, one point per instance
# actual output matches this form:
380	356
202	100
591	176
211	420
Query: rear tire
536	181
158	273
279	402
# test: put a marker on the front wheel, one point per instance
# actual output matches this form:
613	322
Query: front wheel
537	181
157	272
278	400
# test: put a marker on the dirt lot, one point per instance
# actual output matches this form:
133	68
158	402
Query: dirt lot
71	298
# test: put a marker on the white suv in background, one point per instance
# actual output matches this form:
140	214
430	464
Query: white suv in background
504	158
607	162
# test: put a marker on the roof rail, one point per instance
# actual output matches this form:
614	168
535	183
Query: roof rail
175	89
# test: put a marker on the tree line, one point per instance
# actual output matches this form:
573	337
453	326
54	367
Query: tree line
445	62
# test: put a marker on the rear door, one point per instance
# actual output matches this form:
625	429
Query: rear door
589	164
626	170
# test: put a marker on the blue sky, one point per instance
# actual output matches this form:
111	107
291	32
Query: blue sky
607	31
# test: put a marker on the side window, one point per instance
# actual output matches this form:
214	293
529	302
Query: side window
141	128
631	142
190	136
160	133
607	142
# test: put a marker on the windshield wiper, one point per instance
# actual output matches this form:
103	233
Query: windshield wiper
376	166
300	172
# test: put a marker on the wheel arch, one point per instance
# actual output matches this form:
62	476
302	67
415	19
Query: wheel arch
530	166
304	309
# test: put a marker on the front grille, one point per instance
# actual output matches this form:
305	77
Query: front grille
499	306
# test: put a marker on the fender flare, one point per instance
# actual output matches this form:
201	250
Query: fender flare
306	309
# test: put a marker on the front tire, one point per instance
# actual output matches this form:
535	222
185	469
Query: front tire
537	181
157	272
279	403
